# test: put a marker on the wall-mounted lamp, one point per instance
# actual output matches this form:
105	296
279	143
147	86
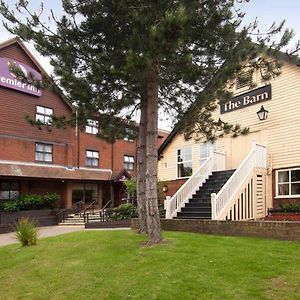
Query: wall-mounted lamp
165	188
262	114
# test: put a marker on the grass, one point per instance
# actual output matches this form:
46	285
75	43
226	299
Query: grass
114	265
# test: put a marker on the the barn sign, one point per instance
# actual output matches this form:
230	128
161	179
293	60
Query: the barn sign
9	79
256	96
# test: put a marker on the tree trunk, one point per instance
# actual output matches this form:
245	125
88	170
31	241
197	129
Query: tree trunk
153	220
141	167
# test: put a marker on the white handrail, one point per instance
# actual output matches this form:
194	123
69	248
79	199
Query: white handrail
216	161
256	158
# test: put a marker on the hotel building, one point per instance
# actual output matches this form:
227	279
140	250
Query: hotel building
76	165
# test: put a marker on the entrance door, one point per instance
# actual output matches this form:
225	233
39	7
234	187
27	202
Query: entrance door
205	150
85	192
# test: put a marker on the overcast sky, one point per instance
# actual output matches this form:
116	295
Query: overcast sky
266	11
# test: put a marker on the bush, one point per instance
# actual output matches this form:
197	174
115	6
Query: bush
123	212
291	207
26	232
10	206
28	202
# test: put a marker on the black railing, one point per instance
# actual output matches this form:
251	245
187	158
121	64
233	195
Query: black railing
75	209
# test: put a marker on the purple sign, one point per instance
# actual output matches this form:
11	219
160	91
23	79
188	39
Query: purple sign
10	80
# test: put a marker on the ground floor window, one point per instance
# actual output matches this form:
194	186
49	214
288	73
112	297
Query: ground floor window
184	162
288	182
85	192
9	190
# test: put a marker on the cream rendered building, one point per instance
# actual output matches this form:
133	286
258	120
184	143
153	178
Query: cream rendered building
279	175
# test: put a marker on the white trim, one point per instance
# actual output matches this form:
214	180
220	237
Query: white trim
51	166
277	196
180	148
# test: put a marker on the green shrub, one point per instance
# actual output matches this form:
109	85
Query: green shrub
10	206
50	200
28	202
291	207
123	212
26	232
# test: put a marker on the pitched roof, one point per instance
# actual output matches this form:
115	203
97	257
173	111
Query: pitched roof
51	172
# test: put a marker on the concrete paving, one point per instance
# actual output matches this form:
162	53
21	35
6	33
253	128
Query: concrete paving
9	238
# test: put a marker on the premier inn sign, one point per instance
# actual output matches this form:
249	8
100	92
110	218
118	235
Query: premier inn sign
256	96
10	80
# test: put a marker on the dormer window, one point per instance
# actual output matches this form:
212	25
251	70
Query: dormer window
244	79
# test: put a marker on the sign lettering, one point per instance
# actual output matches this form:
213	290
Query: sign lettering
256	96
9	79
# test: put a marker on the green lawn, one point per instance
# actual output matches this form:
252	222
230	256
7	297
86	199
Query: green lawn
114	265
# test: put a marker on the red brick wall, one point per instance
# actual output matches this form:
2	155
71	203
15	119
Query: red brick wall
173	186
91	142
121	148
17	136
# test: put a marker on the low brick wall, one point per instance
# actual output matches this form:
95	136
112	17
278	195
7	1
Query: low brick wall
108	224
45	217
282	230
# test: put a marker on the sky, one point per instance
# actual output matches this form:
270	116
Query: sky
266	11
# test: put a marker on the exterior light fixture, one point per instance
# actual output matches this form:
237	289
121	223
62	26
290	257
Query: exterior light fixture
165	188
262	114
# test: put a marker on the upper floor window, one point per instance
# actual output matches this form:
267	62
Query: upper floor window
129	135
43	114
205	150
128	162
244	79
184	162
92	158
91	126
9	190
43	152
288	182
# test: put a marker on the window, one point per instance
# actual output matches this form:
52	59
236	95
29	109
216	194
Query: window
288	182
9	190
128	162
244	79
91	127
205	150
92	158
129	135
43	152
43	114
184	162
86	192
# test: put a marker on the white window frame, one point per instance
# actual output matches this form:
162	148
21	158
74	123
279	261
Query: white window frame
44	152
184	161
128	131
289	183
93	156
43	114
128	163
92	126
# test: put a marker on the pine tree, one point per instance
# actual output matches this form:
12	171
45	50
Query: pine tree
115	56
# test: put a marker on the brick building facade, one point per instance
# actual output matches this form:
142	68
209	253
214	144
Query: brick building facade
76	165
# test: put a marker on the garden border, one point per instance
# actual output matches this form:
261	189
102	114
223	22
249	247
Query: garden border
280	230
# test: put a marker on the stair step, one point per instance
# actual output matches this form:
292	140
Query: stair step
196	210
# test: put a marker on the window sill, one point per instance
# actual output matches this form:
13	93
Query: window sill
287	197
186	177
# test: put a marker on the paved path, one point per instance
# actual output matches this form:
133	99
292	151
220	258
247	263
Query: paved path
9	238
